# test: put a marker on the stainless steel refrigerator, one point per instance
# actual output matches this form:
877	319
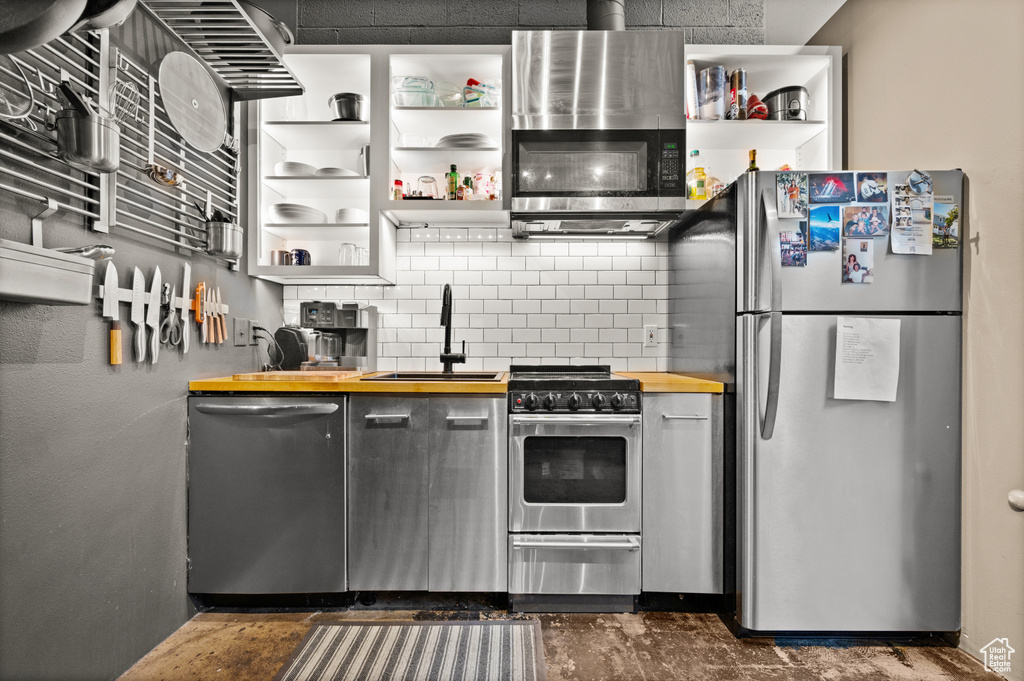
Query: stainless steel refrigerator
847	512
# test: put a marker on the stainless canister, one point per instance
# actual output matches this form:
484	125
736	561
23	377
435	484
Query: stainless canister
738	95
88	142
223	239
280	257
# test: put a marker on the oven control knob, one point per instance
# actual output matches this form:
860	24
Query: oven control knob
599	401
574	401
549	401
531	401
616	401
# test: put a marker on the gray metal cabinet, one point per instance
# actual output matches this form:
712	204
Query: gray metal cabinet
266	494
468	515
683	493
428	491
387	493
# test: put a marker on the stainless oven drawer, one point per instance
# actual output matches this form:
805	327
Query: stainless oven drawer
574	564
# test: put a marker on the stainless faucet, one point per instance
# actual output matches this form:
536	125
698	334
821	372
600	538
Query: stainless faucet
448	357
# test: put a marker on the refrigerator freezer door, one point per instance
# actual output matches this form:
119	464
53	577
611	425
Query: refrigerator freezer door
849	515
902	283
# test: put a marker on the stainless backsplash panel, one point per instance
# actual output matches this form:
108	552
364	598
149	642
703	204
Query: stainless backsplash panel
605	73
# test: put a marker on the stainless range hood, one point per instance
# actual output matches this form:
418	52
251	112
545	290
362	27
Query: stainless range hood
591	225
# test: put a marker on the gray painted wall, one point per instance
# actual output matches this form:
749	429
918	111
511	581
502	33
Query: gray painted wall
92	457
92	461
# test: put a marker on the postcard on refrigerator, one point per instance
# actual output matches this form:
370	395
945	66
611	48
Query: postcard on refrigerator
791	196
825	227
872	187
832	188
867	359
794	247
912	231
858	261
945	225
865	220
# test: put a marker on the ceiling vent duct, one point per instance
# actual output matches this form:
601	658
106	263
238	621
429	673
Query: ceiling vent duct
606	15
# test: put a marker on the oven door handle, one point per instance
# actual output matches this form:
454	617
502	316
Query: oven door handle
629	544
577	420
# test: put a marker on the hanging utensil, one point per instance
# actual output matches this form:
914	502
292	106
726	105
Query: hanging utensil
17	97
153	316
192	101
93	252
138	313
110	311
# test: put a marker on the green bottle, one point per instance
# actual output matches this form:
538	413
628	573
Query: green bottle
453	183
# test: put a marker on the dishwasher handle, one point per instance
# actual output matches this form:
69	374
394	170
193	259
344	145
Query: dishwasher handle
299	409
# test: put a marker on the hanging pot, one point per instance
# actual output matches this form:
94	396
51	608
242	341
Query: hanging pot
104	14
24	25
88	141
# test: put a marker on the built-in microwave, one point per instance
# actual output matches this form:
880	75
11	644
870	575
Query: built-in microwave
606	169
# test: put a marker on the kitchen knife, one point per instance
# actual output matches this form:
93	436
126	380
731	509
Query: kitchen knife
153	316
110	305
220	316
138	313
198	307
185	329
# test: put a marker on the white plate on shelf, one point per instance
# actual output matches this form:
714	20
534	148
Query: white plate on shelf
336	172
352	215
296	213
294	169
469	140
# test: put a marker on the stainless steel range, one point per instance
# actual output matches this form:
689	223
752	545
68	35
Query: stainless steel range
575	442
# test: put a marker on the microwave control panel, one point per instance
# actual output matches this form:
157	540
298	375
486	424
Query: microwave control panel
568	401
670	174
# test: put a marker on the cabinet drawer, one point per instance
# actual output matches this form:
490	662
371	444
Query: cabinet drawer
574	564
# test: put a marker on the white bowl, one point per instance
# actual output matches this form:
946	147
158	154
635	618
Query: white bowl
293	169
352	215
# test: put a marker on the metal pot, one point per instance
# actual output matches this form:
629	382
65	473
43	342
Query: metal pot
787	103
24	25
348	106
104	14
223	239
276	32
88	141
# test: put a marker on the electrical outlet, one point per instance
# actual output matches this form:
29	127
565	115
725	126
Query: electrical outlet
253	323
650	335
240	331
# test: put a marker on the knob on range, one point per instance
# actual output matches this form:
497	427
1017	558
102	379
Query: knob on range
574	401
549	401
531	401
599	400
617	401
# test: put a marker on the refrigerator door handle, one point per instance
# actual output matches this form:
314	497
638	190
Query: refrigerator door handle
771	248
771	405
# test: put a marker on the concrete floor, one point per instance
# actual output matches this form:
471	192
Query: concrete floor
653	646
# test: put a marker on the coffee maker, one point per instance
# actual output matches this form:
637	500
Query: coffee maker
341	336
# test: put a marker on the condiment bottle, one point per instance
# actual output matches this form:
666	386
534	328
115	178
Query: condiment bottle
453	183
696	177
397	190
752	168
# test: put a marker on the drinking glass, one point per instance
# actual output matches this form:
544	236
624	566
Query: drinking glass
427	186
714	91
347	255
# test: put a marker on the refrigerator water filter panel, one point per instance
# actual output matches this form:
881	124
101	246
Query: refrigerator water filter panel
867	359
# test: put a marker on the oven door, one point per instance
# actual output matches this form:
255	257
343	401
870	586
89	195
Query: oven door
574	473
595	170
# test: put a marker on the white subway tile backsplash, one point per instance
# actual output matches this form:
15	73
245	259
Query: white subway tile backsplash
516	301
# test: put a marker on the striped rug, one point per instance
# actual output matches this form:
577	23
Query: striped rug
499	650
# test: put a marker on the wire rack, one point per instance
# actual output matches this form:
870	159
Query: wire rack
129	198
30	166
161	211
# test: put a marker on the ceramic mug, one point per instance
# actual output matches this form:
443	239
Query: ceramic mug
300	257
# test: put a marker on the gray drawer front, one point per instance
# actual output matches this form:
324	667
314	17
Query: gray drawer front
574	564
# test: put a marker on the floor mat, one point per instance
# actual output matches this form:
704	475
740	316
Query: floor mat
419	651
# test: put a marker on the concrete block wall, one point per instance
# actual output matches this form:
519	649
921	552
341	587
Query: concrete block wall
515	302
486	22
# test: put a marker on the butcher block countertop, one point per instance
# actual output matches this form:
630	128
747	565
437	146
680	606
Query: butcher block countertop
348	382
660	382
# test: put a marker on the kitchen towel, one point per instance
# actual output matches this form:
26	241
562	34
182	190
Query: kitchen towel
509	650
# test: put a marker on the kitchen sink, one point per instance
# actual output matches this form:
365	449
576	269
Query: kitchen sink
436	376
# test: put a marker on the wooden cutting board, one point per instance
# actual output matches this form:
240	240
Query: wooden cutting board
297	376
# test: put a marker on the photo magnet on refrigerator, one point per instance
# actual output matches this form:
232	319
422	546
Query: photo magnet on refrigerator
791	195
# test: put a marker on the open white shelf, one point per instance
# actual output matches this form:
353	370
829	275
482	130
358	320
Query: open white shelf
436	122
306	188
754	134
446	213
319	134
433	160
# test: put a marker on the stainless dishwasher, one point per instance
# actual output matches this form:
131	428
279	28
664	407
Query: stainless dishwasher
266	495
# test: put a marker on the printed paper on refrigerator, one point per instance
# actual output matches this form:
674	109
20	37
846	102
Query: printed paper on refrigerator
867	359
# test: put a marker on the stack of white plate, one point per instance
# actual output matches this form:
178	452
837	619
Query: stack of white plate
293	169
467	140
352	215
336	172
295	213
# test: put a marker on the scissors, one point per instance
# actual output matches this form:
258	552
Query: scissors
170	327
